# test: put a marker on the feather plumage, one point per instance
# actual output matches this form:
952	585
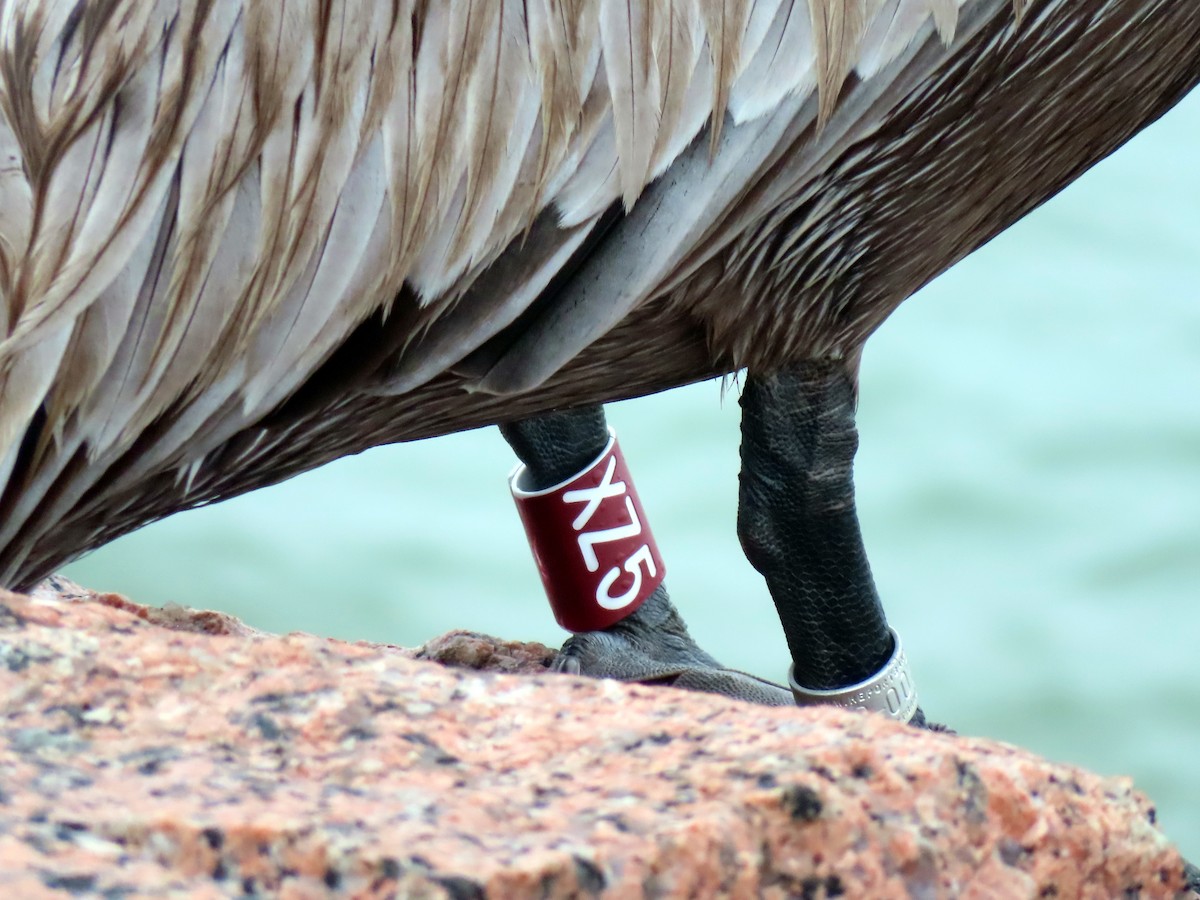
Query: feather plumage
202	200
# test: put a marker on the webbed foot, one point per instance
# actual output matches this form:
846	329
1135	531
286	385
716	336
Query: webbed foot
653	646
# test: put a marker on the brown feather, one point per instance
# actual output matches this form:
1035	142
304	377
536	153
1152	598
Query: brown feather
226	227
837	28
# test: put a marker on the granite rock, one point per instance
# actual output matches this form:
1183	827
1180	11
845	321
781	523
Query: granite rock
148	752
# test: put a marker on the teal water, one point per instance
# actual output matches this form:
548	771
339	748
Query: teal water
1028	482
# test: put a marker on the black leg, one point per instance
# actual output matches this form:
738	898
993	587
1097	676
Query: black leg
557	445
652	644
798	526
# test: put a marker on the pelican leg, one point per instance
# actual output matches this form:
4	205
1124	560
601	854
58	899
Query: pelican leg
799	528
652	644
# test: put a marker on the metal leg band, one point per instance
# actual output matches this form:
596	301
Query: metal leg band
889	691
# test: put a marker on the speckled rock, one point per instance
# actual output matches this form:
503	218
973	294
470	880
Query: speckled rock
169	752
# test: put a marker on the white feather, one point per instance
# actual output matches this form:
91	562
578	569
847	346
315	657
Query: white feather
784	65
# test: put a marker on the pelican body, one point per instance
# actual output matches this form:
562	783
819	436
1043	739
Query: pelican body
242	238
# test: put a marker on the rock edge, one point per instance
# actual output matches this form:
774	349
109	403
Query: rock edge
149	752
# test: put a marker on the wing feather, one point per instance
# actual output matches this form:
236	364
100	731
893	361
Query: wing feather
725	21
838	27
633	89
782	66
201	199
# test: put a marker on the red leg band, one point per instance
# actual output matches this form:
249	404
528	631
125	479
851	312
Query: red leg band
591	542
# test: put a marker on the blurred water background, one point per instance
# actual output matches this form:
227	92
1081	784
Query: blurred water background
1028	483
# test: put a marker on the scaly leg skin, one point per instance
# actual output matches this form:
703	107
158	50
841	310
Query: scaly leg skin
652	645
799	529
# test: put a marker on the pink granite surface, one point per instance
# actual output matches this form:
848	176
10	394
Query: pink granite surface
174	753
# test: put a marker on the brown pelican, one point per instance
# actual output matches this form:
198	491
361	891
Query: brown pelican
239	239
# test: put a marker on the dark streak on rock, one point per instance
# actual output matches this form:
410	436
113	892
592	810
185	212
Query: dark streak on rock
73	711
282	701
801	803
389	868
33	740
439	757
544	796
151	760
1012	853
266	726
9	620
72	884
976	796
815	888
588	875
460	888
14	658
617	821
66	831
